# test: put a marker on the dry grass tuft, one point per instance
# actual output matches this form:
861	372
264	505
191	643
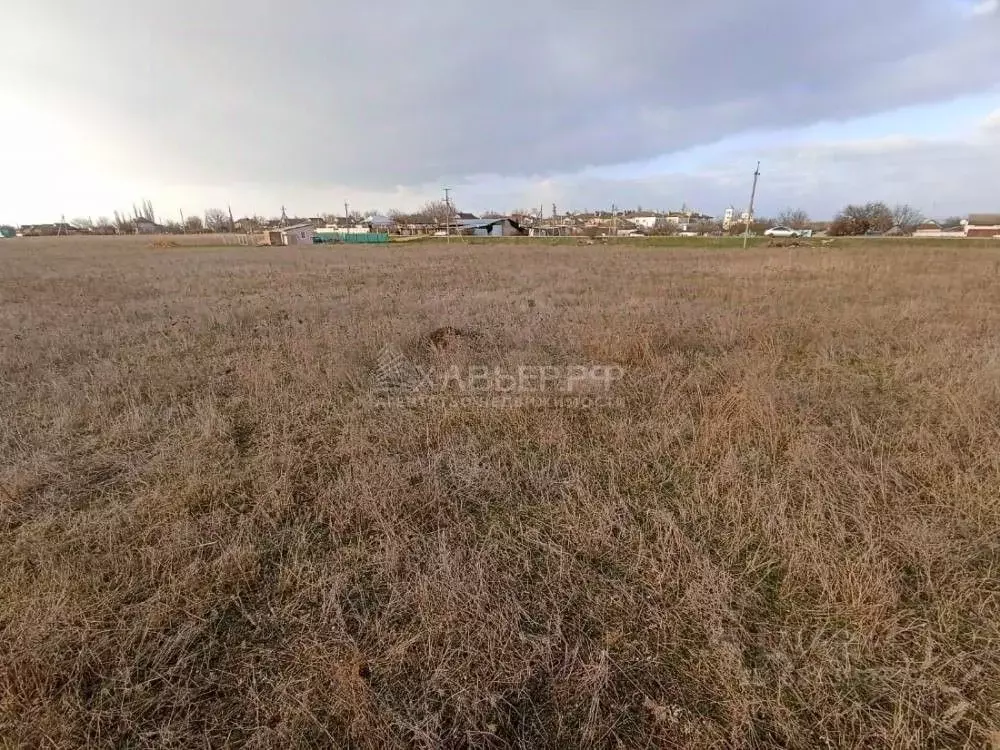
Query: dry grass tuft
448	337
783	534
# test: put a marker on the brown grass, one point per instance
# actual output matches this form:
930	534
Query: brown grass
785	535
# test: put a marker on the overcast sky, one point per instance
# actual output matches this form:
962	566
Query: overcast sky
310	104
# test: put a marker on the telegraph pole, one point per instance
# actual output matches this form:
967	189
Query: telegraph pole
183	225
447	204
347	212
753	196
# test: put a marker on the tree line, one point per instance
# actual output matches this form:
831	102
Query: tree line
874	217
125	222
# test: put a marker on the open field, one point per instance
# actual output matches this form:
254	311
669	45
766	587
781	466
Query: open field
782	531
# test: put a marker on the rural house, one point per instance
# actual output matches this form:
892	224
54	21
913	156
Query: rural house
933	229
502	227
300	234
983	226
145	226
48	230
647	221
685	221
378	223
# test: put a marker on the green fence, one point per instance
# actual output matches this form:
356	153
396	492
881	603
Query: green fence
365	238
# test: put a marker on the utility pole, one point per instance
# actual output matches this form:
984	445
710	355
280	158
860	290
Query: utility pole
753	196
447	225
284	218
614	220
232	223
347	212
183	225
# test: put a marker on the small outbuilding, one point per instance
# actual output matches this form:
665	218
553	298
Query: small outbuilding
300	234
145	226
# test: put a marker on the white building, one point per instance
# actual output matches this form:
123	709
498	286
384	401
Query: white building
300	234
728	218
646	222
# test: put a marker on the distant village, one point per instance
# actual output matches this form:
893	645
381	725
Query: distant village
434	219
441	219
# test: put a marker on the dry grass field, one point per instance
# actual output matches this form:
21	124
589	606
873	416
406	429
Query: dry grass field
782	531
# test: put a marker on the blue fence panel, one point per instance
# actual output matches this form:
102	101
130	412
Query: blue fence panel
367	238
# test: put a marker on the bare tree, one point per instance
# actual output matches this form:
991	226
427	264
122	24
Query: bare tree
83	223
759	225
194	224
708	227
434	212
870	218
123	224
144	212
795	218
952	221
216	220
252	223
664	228
906	217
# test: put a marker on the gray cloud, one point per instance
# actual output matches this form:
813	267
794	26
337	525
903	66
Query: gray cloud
942	177
395	93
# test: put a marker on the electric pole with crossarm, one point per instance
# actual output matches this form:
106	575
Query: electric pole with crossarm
753	196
